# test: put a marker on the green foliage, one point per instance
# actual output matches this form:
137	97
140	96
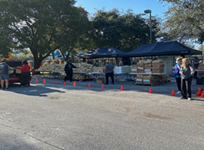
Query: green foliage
123	31
185	20
41	25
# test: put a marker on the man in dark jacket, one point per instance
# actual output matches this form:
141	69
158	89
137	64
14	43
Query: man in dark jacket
109	71
69	70
4	74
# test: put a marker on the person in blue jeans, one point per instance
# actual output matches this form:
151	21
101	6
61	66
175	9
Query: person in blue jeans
176	73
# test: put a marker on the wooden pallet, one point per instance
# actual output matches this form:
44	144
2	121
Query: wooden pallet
82	80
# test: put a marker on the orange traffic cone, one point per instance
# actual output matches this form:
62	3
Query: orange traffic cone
121	88
74	83
199	90
202	95
89	85
150	90
36	80
102	86
198	94
54	82
44	81
173	93
65	83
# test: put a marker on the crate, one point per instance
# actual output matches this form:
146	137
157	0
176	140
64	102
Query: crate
100	80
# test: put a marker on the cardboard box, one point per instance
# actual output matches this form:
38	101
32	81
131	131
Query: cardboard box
134	69
148	62
100	80
140	64
98	69
11	71
157	70
161	66
153	80
148	66
141	71
18	71
140	68
147	70
139	80
146	80
158	64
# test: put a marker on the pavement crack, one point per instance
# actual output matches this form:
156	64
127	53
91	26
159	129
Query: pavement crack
45	142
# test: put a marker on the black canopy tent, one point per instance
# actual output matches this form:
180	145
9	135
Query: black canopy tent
162	48
102	53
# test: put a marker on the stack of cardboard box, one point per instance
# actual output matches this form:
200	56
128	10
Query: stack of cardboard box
134	69
148	66
151	80
139	79
140	67
164	78
158	66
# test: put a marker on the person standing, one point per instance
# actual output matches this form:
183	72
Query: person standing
121	64
25	74
186	78
4	74
109	72
176	73
69	71
96	64
196	64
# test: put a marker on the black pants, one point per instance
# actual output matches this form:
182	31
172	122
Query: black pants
186	87
69	75
178	82
195	74
109	75
25	76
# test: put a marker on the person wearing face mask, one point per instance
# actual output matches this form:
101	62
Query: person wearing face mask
176	73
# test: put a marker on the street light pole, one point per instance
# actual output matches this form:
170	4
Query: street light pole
150	25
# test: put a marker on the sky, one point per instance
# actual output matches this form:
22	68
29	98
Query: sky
138	6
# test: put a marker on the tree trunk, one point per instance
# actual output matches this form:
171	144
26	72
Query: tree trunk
67	57
62	52
37	62
53	55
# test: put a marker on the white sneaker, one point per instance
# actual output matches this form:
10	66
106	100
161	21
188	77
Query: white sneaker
179	92
189	99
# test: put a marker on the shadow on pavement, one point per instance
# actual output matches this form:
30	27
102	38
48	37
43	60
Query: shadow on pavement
10	142
40	89
37	90
163	89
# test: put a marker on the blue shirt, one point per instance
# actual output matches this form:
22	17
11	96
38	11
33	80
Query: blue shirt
177	71
110	68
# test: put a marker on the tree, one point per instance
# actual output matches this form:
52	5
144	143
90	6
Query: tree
42	26
184	20
124	31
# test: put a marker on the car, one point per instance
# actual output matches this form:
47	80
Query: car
14	75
